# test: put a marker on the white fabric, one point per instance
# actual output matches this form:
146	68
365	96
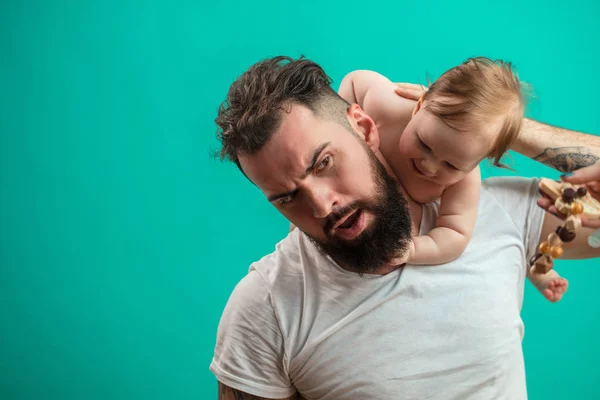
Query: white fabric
452	331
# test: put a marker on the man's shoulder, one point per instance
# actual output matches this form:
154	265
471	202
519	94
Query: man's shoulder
282	271
272	283
510	188
508	183
516	198
289	256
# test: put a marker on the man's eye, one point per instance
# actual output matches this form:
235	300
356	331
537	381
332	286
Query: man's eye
286	200
324	163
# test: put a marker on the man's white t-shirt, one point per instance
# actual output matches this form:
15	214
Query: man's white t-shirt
299	322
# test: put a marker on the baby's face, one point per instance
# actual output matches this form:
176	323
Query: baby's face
438	153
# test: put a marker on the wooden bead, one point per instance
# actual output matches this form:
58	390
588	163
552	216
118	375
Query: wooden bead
554	239
545	248
543	265
562	207
576	208
556	251
573	223
565	235
568	195
535	257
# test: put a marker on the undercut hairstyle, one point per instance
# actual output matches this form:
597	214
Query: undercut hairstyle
257	100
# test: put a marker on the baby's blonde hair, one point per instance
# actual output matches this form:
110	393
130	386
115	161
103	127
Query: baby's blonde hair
477	92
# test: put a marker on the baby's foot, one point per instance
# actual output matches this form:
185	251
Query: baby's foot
555	289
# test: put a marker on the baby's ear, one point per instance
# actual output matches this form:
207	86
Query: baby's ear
364	126
419	104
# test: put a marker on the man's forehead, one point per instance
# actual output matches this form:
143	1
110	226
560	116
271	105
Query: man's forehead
297	119
288	152
297	130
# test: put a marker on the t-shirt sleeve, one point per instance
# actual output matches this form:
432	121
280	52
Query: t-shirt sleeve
518	196
249	354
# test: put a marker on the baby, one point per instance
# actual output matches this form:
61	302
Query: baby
472	112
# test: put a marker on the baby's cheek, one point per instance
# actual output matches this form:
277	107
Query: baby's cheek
404	146
455	178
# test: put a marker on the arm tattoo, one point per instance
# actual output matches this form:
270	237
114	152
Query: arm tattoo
567	159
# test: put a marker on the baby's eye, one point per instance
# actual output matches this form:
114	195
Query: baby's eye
424	146
451	166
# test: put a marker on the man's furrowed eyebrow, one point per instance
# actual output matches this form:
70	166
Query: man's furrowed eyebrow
315	157
313	161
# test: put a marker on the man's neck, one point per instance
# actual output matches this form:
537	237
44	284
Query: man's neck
414	208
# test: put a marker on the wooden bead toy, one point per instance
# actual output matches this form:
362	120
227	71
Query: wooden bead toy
569	201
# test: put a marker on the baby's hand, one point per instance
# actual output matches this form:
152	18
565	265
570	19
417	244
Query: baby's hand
411	91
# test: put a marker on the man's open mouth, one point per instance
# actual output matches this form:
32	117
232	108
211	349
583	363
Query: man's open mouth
351	226
350	220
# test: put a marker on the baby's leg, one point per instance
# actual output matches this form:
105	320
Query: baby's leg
550	284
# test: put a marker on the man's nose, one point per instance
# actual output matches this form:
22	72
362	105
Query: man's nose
322	201
429	167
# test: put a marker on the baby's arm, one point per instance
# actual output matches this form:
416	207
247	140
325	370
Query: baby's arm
458	211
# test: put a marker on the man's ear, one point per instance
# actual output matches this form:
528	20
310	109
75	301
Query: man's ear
364	126
419	104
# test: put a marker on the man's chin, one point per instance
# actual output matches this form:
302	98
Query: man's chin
354	256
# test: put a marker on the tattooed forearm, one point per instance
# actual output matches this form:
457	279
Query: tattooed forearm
228	393
568	159
562	149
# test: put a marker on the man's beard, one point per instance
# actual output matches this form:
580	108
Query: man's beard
386	238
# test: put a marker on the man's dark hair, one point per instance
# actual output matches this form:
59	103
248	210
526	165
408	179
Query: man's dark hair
256	101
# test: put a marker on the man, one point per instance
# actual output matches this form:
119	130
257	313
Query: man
333	313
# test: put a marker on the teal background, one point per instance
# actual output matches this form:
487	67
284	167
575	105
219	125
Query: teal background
121	237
